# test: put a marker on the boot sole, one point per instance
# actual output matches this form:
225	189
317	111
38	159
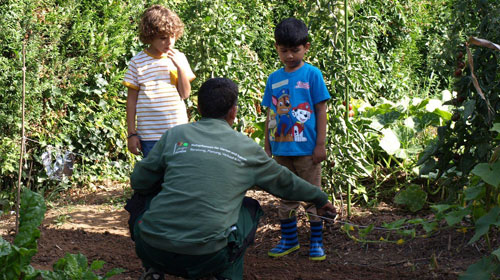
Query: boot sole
276	255
322	258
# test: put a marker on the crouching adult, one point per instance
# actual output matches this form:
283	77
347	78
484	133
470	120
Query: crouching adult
200	222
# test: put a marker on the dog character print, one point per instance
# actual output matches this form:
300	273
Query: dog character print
284	123
302	113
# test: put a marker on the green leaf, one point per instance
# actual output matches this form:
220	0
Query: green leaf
469	108
440	208
114	271
429	151
97	264
394	225
472	193
5	248
445	115
413	197
429	166
481	270
456	216
31	216
483	224
488	172
496	253
496	127
429	226
389	142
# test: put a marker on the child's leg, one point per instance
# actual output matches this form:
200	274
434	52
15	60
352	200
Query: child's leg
311	172
287	208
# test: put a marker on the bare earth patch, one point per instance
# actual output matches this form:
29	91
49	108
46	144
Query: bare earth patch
94	223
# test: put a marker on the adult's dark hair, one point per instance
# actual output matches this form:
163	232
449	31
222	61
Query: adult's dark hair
291	32
216	96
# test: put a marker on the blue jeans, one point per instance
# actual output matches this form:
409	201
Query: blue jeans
147	146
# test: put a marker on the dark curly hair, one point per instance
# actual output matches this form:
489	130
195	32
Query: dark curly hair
216	96
158	20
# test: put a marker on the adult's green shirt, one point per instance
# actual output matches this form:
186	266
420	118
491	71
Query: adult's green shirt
206	168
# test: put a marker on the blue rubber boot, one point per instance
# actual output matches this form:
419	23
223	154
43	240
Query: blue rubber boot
316	251
289	238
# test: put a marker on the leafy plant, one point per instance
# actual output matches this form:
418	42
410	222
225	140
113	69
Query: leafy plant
15	258
75	267
485	269
413	197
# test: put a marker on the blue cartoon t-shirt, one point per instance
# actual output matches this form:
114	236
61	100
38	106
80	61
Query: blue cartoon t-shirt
290	98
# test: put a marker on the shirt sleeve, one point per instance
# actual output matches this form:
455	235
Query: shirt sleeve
266	100
318	87
131	77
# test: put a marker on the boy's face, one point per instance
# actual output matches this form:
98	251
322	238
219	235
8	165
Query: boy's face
162	44
292	57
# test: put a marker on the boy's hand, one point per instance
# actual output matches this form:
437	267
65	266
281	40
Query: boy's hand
178	59
134	145
319	154
268	151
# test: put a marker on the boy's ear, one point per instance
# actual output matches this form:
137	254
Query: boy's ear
307	46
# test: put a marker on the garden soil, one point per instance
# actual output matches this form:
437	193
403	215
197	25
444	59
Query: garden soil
94	223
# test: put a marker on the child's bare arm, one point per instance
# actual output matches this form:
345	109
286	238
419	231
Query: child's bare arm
267	145
184	73
133	142
319	153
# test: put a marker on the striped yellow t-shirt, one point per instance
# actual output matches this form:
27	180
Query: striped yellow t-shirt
159	106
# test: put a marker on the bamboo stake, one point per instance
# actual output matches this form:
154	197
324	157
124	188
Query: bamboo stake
22	140
346	97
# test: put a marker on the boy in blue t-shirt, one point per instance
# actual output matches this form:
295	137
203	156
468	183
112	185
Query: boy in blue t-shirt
296	98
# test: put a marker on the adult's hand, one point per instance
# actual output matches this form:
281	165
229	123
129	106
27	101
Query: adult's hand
328	211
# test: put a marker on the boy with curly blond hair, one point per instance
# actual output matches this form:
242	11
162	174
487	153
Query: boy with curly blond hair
158	81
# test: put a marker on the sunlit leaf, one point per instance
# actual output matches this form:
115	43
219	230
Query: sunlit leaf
389	142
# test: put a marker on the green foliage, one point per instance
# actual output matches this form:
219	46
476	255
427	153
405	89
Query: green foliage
75	57
413	197
488	173
75	267
15	258
484	223
487	268
468	138
383	138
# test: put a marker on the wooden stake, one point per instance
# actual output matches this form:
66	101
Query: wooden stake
22	141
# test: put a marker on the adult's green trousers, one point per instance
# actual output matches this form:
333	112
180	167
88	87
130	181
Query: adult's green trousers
227	262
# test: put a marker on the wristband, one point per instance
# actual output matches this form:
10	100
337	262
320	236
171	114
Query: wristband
132	135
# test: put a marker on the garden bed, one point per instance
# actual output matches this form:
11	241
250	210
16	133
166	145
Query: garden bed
95	224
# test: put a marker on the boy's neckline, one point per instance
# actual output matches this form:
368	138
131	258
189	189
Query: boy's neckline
154	56
295	70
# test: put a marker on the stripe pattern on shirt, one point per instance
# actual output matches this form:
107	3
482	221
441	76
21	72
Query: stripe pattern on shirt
159	106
